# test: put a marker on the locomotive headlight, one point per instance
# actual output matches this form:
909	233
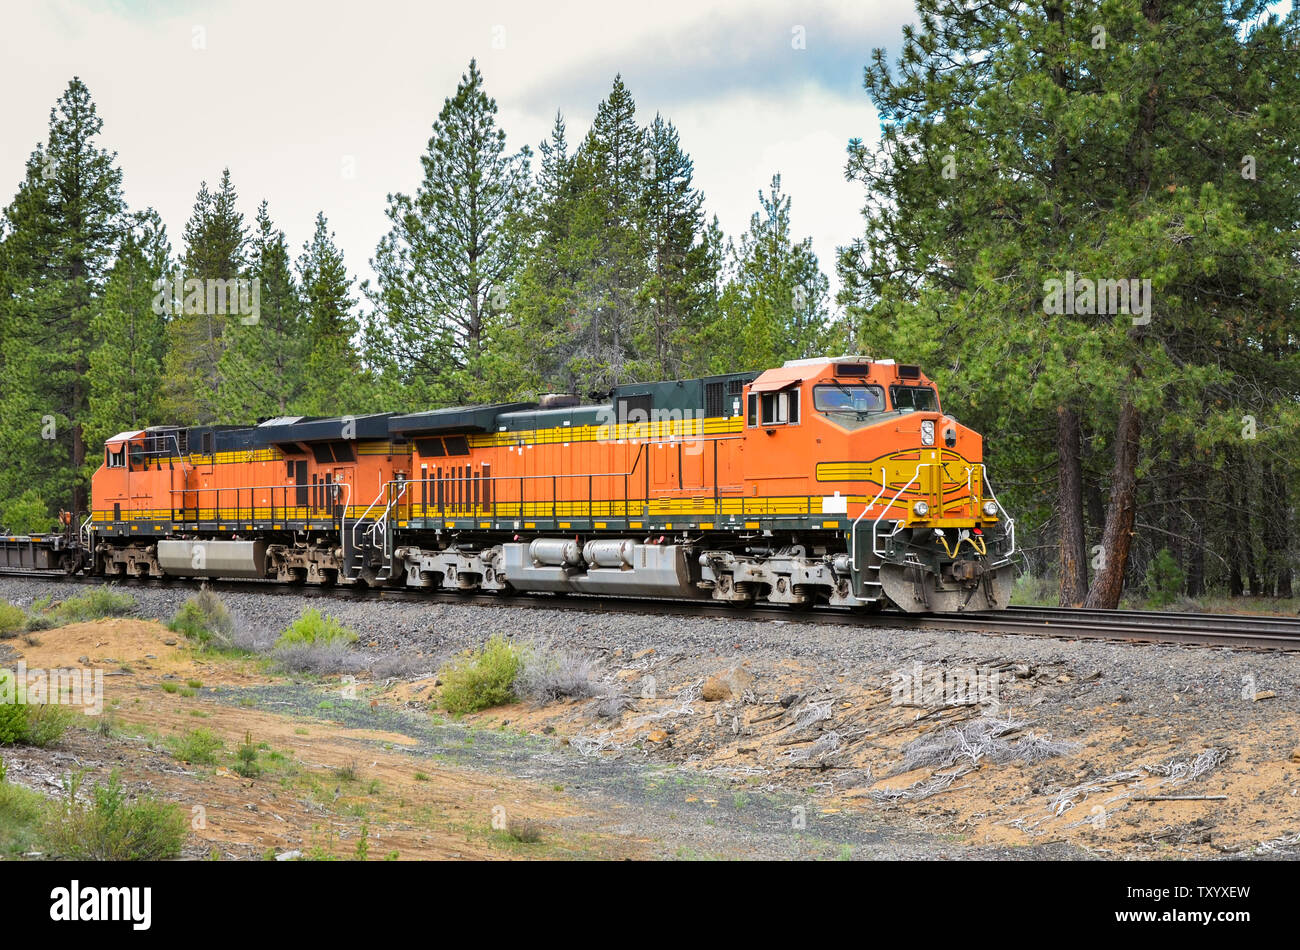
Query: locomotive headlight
920	509
991	509
927	432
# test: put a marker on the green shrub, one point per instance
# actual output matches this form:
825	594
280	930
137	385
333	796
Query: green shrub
46	724
108	827
205	620
36	622
93	605
22	812
1033	591
246	755
24	723
523	830
1165	579
479	680
12	620
198	747
27	514
315	629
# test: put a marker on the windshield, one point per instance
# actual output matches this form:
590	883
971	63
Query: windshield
849	399
921	398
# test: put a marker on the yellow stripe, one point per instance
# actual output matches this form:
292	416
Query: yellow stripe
673	428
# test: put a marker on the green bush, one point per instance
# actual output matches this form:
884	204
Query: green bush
27	514
38	622
24	723
93	605
313	629
198	747
246	755
479	680
13	620
46	724
1032	591
108	827
205	620
22	812
1165	579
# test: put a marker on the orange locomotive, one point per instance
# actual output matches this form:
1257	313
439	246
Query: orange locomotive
836	481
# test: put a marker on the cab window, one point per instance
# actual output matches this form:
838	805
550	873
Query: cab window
918	398
774	409
117	459
849	399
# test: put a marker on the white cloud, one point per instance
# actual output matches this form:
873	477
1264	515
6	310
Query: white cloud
282	94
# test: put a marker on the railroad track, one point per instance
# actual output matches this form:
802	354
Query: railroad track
1215	630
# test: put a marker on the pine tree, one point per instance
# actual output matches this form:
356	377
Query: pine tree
130	336
215	246
61	232
607	243
453	249
334	383
774	305
262	367
676	298
1028	145
531	350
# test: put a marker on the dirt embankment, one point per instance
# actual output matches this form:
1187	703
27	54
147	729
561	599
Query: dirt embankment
774	740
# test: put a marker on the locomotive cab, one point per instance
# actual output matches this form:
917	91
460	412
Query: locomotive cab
871	437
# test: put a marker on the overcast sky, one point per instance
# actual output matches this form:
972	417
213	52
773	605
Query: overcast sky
328	105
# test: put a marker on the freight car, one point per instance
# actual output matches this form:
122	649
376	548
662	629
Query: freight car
825	481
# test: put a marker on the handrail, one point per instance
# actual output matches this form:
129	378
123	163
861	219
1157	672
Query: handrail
362	517
1011	522
984	481
380	525
876	524
853	532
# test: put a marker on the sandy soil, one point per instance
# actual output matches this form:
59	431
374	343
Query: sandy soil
788	748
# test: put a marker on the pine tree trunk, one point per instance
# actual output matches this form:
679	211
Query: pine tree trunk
1117	539
1069	509
1196	570
1236	586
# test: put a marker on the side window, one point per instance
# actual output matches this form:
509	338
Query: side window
752	419
780	408
117	458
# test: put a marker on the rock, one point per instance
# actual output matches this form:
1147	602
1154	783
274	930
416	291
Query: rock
289	856
726	685
1295	754
643	653
83	660
1265	694
788	700
170	642
657	735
